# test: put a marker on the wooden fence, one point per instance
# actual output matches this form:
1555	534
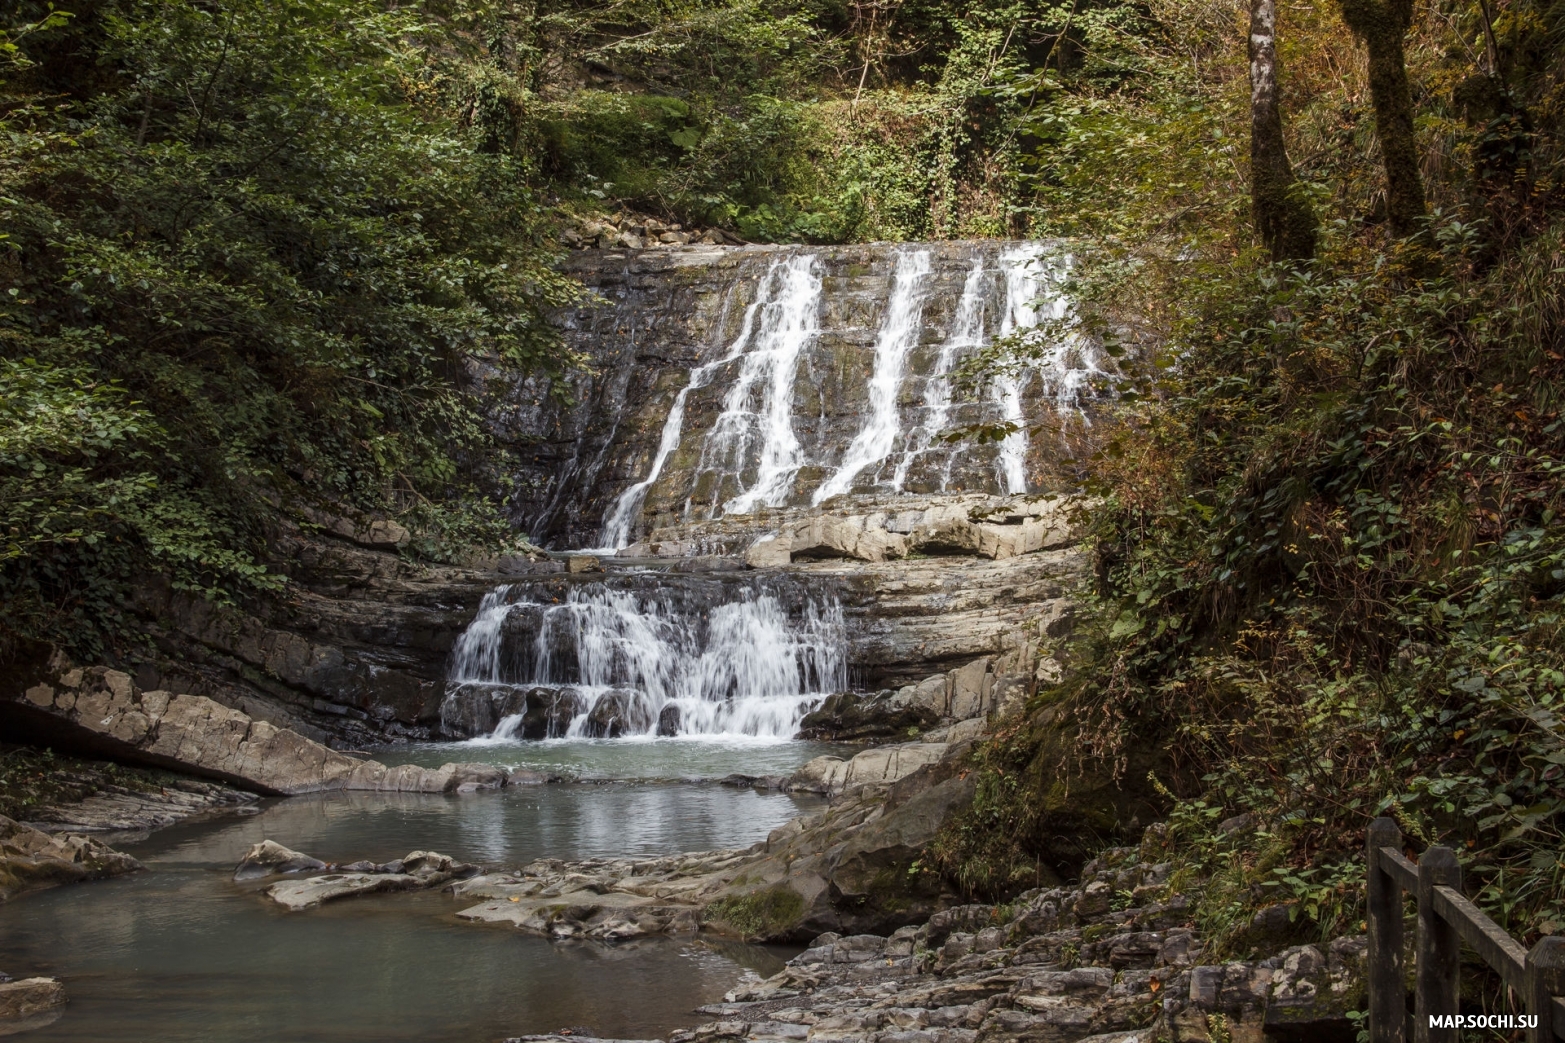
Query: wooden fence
1446	918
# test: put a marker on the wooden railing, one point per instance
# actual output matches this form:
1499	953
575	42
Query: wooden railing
1446	918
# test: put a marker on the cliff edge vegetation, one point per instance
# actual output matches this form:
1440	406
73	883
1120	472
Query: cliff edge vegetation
1330	558
253	264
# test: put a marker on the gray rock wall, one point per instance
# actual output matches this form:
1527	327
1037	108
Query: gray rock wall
661	313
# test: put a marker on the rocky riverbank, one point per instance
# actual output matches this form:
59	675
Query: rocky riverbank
57	793
1113	959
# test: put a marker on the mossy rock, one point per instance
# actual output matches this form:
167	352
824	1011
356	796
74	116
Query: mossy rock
759	915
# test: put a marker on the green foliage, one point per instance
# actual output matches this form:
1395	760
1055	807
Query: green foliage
250	262
1330	561
816	123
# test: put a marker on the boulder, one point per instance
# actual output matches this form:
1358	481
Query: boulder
884	764
269	857
970	689
846	717
769	552
932	695
28	998
668	720
549	712
829	536
583	563
30	858
617	712
469	710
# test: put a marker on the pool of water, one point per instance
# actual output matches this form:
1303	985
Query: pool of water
685	757
182	953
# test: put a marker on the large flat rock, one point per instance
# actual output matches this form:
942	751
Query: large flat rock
106	710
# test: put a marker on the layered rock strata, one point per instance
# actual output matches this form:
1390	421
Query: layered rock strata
198	735
676	332
116	808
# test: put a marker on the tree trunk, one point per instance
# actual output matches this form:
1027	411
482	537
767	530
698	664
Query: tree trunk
1283	220
1381	25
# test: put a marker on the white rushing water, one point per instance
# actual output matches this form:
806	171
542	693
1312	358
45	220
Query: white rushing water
617	525
757	412
1024	280
652	661
966	333
899	333
751	454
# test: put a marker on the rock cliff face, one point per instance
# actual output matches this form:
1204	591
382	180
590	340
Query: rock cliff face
734	379
760	433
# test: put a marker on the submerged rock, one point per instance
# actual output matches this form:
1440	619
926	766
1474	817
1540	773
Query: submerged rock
29	1000
418	870
269	857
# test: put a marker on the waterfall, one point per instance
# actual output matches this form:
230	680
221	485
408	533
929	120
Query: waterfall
476	656
899	333
1024	279
816	319
616	527
786	317
1068	365
966	333
615	662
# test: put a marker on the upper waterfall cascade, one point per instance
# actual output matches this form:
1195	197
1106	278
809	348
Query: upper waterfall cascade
613	661
818	377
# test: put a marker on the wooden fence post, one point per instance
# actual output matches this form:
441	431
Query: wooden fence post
1438	949
1545	980
1387	984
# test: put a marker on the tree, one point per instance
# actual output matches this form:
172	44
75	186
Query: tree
1283	219
1381	26
250	263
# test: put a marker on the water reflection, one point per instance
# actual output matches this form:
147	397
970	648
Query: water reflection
181	953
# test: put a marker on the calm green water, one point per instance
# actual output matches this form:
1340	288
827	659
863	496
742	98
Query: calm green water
181	953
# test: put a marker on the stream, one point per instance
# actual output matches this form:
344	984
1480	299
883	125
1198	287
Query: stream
182	953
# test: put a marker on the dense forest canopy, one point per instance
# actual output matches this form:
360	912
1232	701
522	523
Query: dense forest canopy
258	256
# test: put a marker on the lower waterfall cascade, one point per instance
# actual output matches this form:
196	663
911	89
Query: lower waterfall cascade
606	661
